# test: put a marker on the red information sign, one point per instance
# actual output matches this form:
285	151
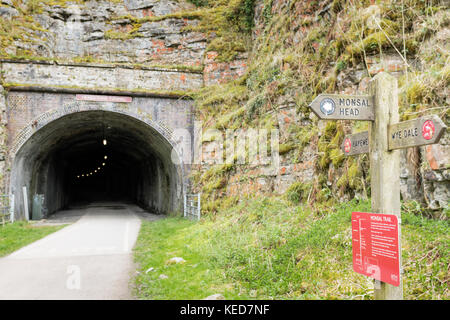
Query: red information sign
376	246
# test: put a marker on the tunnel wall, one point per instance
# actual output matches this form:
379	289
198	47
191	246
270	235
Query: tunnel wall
49	183
158	186
25	107
40	109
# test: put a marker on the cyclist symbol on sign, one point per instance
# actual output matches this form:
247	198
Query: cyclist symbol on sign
327	106
347	145
428	129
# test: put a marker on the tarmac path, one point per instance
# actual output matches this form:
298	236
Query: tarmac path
89	259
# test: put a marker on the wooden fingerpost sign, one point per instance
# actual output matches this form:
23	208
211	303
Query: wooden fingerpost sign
357	143
417	132
376	237
343	107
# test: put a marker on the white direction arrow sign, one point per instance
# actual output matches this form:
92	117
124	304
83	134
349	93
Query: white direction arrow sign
343	107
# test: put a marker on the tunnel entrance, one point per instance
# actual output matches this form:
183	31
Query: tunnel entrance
97	156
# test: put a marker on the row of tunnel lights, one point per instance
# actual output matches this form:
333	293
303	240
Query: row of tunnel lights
96	170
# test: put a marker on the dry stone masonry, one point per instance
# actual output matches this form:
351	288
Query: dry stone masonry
99	77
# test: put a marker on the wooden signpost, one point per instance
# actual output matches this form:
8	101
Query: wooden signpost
386	134
385	167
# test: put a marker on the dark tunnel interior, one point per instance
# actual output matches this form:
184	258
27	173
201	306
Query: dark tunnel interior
96	156
97	172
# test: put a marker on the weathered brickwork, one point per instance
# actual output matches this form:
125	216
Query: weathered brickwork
222	72
26	109
3	134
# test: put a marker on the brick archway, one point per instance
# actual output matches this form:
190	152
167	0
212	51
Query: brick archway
44	138
52	115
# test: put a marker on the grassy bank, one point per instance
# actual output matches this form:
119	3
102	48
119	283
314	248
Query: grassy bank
269	249
19	234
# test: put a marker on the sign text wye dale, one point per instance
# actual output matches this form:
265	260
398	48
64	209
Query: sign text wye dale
417	132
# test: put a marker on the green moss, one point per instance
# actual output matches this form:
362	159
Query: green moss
354	175
199	3
342	182
218	183
229	24
227	47
330	130
226	121
172	93
337	157
216	171
191	15
124	35
285	66
84	59
285	148
298	192
254	105
417	91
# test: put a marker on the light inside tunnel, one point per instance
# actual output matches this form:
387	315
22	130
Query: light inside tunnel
64	162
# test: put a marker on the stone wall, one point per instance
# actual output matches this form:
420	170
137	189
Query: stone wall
216	72
147	46
112	32
150	32
26	107
3	136
99	77
141	48
435	171
424	172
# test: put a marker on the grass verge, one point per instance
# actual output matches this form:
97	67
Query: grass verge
269	249
19	234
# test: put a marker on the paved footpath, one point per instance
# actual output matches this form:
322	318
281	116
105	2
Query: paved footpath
90	259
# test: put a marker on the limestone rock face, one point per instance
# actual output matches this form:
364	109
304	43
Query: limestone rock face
7	12
436	175
114	32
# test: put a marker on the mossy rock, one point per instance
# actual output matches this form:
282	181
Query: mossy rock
298	192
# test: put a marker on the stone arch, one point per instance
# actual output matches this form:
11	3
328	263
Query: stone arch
37	163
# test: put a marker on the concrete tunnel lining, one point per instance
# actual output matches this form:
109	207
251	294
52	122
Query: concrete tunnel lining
139	167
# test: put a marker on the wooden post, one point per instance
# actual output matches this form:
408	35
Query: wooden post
385	166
